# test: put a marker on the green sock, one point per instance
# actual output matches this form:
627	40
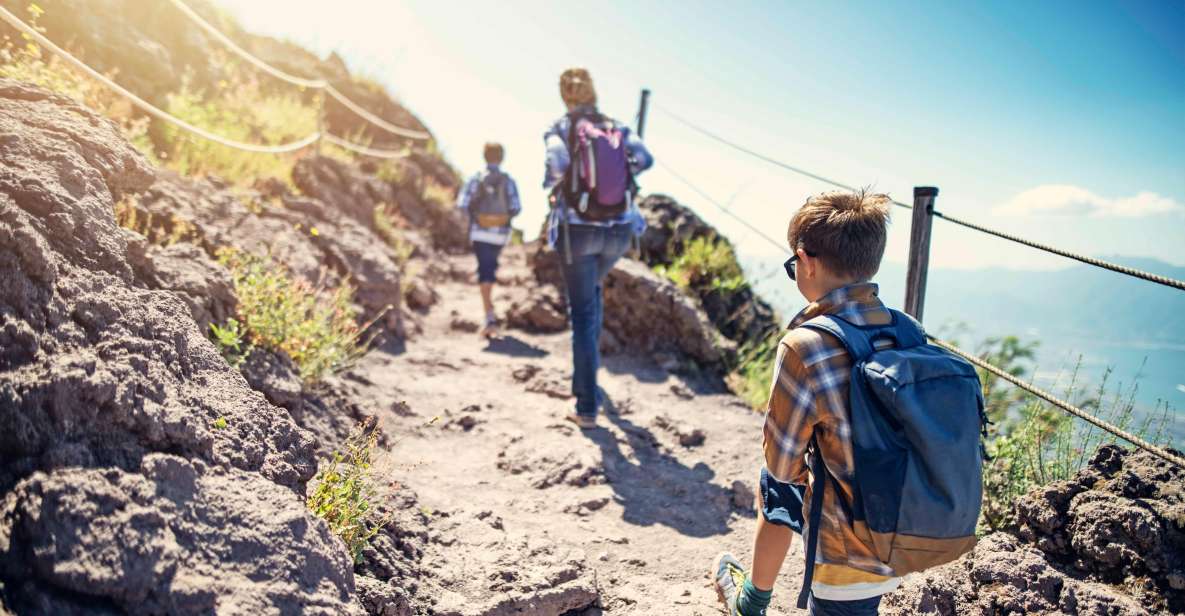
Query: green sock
752	601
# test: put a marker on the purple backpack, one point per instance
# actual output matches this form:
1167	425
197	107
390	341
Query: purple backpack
599	183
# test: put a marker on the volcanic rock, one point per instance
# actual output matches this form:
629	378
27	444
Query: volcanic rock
139	473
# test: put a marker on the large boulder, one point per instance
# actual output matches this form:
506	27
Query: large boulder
356	193
172	537
739	314
138	471
183	268
1109	540
644	312
323	244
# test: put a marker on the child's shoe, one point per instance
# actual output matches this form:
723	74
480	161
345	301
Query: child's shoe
728	576
491	327
583	421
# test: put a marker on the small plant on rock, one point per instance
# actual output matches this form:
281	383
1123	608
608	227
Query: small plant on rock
345	492
231	342
316	328
157	230
390	230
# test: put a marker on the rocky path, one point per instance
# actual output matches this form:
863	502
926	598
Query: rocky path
523	513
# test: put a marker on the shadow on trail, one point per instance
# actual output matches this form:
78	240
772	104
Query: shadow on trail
513	347
642	369
657	488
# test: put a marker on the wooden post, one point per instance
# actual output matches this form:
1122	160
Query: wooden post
642	105
919	250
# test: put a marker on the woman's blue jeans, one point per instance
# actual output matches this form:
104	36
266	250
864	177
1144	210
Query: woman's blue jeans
594	251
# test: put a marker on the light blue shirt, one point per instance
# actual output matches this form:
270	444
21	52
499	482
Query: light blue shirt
557	162
491	235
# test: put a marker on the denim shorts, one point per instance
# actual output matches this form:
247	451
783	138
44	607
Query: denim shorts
487	261
859	607
781	503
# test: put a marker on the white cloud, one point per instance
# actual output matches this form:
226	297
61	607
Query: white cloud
1067	200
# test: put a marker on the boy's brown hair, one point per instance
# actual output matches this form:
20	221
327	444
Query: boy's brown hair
576	87
847	231
493	153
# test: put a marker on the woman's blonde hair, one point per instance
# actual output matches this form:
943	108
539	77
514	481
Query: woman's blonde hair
576	87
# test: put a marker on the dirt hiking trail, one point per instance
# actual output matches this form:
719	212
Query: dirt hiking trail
516	500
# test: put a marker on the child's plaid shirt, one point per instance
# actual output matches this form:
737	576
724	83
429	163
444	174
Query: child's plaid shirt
809	397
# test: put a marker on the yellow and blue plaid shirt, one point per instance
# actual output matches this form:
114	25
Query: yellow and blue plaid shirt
809	398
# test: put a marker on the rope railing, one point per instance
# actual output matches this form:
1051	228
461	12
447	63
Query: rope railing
1156	450
316	84
226	41
374	119
777	163
1100	263
1122	269
686	182
993	369
148	107
361	149
157	112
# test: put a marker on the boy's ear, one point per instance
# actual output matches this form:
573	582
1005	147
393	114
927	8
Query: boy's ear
807	263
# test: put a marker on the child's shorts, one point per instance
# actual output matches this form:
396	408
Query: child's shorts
781	503
487	261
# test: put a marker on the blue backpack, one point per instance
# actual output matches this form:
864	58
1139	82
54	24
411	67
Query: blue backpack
917	418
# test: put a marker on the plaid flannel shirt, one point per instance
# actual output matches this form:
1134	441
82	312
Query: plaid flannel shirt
809	398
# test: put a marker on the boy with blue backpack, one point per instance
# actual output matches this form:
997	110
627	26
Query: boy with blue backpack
872	436
590	167
490	198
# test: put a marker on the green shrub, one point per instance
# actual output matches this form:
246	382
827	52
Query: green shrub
238	109
752	377
345	492
1033	443
706	264
316	328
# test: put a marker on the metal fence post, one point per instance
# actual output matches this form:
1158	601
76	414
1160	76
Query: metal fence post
919	250
642	106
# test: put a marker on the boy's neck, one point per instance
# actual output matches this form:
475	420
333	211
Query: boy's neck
830	285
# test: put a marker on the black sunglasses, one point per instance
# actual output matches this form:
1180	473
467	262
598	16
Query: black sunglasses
790	263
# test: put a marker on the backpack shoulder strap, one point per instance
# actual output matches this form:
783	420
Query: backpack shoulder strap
906	330
814	518
855	340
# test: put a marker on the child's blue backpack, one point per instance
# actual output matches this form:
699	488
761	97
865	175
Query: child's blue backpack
917	419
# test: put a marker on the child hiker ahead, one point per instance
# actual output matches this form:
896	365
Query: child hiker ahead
591	164
490	198
884	428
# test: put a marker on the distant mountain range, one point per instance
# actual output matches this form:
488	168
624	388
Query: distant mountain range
1080	301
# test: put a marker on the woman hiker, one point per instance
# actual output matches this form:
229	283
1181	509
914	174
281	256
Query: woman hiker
591	163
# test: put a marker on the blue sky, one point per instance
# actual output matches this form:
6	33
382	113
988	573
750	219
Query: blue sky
1061	121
